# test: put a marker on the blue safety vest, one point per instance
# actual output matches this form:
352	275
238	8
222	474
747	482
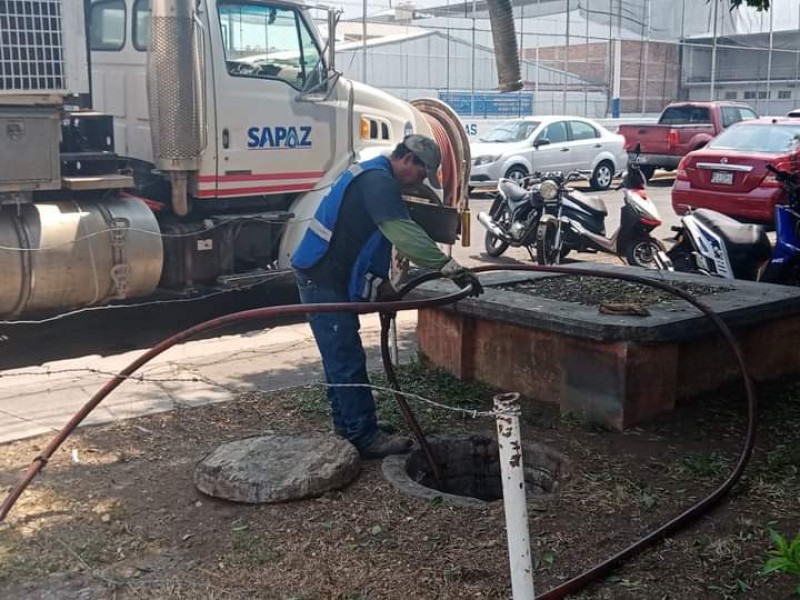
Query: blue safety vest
372	263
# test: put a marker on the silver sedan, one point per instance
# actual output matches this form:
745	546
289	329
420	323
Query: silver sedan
516	148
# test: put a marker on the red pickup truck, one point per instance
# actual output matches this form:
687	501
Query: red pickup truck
681	128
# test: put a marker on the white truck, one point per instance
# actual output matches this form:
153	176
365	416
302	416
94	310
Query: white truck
160	146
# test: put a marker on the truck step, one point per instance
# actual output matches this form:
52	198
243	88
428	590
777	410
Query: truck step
97	182
249	279
275	215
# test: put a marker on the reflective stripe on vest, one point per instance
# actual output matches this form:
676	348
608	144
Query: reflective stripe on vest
320	229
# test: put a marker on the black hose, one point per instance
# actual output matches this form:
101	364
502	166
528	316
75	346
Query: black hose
408	414
506	53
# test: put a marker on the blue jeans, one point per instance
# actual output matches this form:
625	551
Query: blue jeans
344	361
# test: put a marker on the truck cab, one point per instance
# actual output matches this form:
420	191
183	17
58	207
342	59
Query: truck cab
275	121
267	128
180	146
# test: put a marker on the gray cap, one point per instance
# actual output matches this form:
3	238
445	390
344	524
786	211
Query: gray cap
427	151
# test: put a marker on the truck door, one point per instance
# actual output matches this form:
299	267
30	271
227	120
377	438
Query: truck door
268	140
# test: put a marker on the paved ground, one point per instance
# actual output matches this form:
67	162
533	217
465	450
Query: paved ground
42	398
49	371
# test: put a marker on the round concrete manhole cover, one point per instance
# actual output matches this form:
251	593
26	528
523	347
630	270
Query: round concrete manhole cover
277	467
470	471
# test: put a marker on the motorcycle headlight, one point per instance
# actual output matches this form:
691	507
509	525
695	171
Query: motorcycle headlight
485	160
548	189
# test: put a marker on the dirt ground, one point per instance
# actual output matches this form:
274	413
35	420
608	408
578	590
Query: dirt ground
116	515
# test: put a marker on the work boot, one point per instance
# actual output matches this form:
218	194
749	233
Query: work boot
384	444
382	425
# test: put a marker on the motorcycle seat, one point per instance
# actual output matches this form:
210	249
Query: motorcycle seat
747	244
593	204
733	232
511	190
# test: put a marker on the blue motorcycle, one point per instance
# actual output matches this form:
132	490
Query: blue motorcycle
714	244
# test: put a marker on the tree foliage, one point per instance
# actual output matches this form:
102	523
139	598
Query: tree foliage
757	4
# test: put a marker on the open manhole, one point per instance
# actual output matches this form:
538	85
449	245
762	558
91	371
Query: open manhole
470	471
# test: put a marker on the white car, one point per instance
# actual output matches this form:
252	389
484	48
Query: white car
516	148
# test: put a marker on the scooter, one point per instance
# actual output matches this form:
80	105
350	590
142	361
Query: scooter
513	217
575	221
714	244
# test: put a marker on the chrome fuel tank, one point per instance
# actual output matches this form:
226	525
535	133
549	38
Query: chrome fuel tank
69	254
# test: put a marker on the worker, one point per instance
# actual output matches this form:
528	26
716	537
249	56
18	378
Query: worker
344	256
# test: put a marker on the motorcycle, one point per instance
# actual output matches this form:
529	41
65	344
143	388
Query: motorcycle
575	221
513	217
714	244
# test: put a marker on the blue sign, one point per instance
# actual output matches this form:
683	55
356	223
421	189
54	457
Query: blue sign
489	104
278	138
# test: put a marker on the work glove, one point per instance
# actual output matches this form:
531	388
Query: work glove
462	277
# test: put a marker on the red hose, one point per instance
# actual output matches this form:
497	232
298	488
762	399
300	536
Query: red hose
449	170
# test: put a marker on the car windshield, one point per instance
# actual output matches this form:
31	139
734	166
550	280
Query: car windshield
758	138
510	131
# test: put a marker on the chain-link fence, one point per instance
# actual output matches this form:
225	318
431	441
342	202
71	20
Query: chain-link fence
578	55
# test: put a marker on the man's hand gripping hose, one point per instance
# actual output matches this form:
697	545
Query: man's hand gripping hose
462	277
572	586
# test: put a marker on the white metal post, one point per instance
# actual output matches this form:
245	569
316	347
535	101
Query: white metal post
364	41
713	92
394	351
512	473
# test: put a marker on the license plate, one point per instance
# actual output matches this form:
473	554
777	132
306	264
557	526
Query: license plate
724	177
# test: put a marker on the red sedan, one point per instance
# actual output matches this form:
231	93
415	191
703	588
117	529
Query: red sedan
729	174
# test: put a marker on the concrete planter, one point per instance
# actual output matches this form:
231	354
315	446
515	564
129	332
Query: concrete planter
616	370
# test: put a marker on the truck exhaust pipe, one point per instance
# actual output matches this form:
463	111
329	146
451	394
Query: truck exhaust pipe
175	94
505	45
492	227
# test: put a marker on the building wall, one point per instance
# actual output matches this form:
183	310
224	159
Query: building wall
423	66
746	75
659	61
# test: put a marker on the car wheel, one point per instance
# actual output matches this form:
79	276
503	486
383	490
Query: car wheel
516	174
602	176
